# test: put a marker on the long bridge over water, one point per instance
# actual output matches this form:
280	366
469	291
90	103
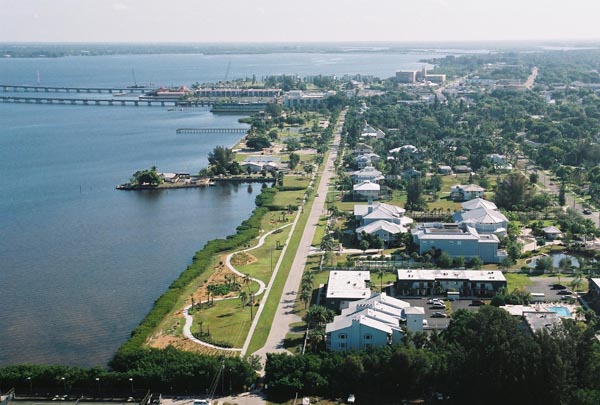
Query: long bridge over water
86	101
55	89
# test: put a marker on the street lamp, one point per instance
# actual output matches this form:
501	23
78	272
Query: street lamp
131	381
30	385
98	382
64	381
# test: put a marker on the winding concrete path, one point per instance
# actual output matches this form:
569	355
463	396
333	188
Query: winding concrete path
189	320
284	315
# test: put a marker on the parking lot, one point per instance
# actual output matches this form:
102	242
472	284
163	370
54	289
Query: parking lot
544	285
439	323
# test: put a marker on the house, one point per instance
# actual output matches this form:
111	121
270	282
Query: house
371	132
406	148
442	169
499	161
477	203
466	192
346	286
362	148
368	173
410	173
169	177
386	231
468	283
366	190
552	233
374	321
462	169
484	220
372	212
458	241
367	159
255	164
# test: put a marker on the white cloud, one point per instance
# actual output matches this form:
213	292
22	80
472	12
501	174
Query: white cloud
120	7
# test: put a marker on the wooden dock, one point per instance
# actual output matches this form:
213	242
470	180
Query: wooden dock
211	130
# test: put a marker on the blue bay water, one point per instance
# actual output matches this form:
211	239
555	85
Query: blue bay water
80	262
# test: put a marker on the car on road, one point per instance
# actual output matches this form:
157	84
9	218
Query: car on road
477	303
587	211
565	292
559	287
439	315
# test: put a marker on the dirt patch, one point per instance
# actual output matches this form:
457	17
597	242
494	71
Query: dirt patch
242	259
220	275
181	343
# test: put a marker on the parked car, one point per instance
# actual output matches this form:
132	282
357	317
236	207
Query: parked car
434	300
587	211
568	297
477	303
351	399
559	287
425	323
202	402
438	305
439	315
565	292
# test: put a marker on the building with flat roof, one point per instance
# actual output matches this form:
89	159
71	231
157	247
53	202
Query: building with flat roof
406	76
345	286
539	321
458	241
468	283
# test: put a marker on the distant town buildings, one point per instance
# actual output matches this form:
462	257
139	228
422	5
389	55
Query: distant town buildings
466	192
298	98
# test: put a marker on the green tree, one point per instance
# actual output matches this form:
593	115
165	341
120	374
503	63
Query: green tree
294	160
414	195
220	158
363	245
561	195
512	192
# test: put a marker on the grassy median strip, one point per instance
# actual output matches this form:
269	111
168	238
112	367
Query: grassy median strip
264	324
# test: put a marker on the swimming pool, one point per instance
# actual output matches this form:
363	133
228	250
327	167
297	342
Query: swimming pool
561	311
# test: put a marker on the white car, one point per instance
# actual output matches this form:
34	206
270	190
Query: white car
202	402
351	399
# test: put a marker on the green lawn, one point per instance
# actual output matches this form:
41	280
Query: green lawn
516	281
227	322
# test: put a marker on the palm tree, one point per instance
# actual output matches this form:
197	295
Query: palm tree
243	297
577	280
305	296
380	274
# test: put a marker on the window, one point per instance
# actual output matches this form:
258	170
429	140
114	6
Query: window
459	242
367	345
343	336
367	337
343	344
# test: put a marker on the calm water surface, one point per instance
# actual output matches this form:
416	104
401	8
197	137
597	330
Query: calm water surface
80	262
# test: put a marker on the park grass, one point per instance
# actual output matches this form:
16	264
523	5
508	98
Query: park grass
226	320
261	268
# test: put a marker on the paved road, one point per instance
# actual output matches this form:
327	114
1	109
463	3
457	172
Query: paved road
531	79
554	188
284	315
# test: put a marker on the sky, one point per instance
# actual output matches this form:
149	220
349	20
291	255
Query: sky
297	21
